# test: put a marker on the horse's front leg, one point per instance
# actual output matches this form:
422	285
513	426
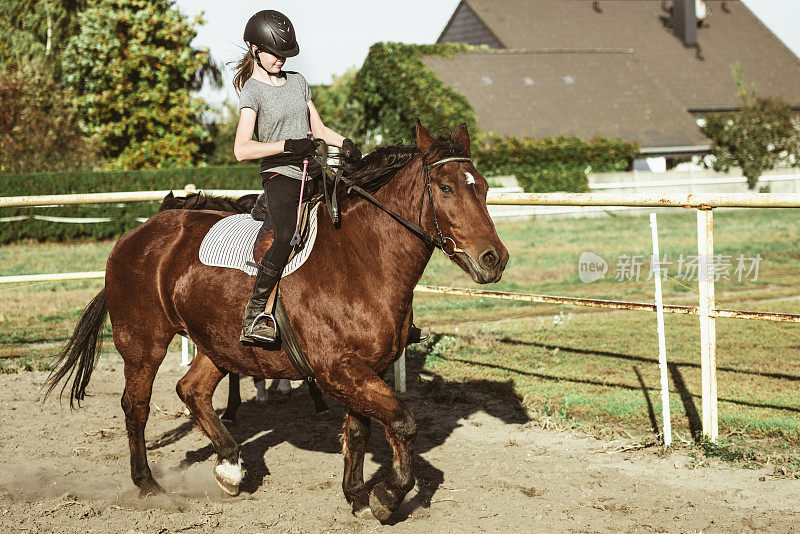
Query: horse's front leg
365	393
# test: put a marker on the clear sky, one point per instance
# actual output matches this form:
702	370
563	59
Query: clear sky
335	35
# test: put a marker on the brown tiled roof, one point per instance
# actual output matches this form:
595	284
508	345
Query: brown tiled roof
586	94
466	27
698	84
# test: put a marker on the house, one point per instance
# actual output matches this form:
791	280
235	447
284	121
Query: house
640	70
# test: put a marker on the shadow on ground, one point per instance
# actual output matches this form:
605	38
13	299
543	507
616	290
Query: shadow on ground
438	405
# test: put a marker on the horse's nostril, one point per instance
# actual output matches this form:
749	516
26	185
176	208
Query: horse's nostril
489	259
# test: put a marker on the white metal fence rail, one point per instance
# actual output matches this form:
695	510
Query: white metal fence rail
676	200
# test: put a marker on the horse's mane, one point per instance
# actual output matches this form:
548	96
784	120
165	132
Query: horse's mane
203	201
377	168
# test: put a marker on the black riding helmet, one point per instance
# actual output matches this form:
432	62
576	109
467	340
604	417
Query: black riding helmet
273	32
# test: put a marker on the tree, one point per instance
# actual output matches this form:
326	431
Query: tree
393	87
330	100
37	31
762	135
132	71
222	132
37	132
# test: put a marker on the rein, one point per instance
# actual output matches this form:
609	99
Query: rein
331	200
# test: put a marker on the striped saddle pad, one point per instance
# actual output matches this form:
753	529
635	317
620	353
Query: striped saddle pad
230	243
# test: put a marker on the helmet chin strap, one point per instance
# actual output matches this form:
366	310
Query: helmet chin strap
258	62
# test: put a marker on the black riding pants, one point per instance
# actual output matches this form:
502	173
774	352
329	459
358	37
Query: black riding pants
283	195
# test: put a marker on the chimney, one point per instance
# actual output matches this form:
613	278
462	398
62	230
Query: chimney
684	21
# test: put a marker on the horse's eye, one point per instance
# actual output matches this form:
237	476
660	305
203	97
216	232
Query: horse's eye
445	188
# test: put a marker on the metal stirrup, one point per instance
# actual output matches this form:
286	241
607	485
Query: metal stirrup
264	314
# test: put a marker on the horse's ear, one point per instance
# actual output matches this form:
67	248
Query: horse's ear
461	138
424	139
169	196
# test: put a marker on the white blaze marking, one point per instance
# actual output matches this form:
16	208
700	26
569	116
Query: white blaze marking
232	473
470	178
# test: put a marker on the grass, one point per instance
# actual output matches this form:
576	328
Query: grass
595	368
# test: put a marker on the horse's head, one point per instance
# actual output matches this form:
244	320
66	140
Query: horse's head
455	203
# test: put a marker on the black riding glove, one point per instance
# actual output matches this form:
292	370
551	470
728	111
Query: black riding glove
301	147
350	151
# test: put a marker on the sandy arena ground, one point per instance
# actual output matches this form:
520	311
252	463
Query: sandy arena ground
482	466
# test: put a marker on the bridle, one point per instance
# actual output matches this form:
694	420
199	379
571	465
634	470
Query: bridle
437	241
441	239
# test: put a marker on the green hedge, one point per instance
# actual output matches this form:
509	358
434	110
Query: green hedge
552	163
123	216
540	165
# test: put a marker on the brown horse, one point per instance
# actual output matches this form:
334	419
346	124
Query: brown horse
349	305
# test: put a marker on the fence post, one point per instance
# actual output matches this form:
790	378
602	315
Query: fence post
188	351
400	373
708	339
666	424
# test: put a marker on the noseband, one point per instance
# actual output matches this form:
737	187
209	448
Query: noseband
438	241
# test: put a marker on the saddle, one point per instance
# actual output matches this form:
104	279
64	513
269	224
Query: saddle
259	213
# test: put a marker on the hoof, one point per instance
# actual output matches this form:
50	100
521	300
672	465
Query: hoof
279	396
324	414
378	503
150	489
359	499
262	395
362	512
228	421
229	476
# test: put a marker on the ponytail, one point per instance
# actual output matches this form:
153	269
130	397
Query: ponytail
243	70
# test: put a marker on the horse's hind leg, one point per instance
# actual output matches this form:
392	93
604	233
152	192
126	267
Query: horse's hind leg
316	395
262	395
234	399
141	365
196	390
355	434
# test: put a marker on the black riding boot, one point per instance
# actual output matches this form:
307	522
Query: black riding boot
417	335
258	324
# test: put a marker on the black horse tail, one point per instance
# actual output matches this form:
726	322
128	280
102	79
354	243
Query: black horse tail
80	352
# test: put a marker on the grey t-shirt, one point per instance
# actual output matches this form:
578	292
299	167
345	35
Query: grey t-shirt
281	113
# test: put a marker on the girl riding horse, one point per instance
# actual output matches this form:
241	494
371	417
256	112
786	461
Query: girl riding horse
276	105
